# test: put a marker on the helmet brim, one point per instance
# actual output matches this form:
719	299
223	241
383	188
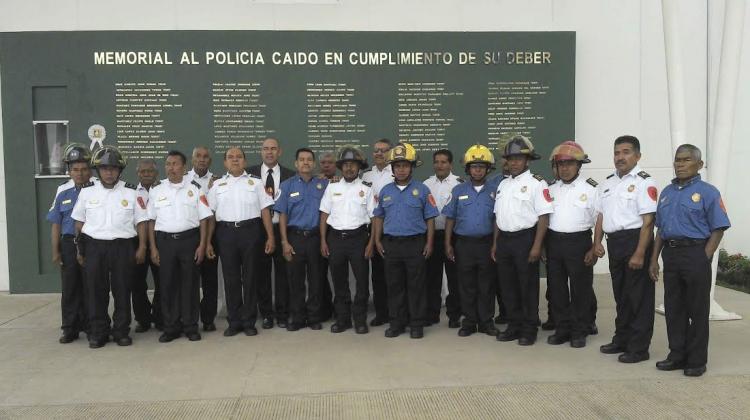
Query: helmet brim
362	165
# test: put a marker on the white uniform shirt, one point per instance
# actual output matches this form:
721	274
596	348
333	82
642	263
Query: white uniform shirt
520	201
238	198
203	181
378	178
177	207
66	186
441	191
109	213
276	172
575	205
349	205
624	200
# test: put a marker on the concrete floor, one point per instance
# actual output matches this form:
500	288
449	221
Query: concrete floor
38	373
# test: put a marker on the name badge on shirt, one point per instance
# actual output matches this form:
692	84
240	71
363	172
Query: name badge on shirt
463	197
294	194
68	201
336	194
387	198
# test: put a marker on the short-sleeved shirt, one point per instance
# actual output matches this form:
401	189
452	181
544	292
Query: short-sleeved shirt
177	207
405	211
349	205
109	213
68	185
520	200
471	209
441	190
574	204
693	210
203	181
300	201
61	210
623	200
378	178
238	198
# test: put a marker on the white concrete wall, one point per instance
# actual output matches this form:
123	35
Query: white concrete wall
620	71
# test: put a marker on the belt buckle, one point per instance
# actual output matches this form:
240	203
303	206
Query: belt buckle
176	236
237	224
672	243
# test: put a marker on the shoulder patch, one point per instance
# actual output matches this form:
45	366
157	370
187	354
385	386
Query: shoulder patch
197	185
591	182
643	174
88	184
131	186
610	176
460	180
254	176
538	177
369	184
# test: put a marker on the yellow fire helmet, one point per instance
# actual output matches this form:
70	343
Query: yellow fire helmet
479	153
404	151
569	150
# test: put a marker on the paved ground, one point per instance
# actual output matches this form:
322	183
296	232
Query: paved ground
315	374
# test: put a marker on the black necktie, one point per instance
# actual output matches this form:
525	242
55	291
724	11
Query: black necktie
269	183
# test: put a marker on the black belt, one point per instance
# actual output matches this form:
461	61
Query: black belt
586	233
302	232
403	238
68	237
683	242
623	233
109	241
348	233
484	238
240	224
518	232
180	235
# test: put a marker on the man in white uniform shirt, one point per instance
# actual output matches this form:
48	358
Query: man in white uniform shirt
109	218
441	184
178	212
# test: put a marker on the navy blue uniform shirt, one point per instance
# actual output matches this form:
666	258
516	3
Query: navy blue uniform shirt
473	211
693	210
61	210
405	212
300	201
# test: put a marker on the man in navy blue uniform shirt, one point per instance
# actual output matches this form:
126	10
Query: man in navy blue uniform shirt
691	219
404	217
298	204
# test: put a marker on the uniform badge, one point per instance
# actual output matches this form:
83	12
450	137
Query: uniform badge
250	182
361	193
547	196
463	197
336	194
124	203
140	202
584	197
415	192
695	197
68	201
320	187
523	189
190	193
294	194
431	199
387	198
653	193
631	188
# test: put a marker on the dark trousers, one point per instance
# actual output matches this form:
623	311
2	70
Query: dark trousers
519	280
434	283
273	295
305	264
634	293
209	273
379	287
570	282
325	292
477	280
349	249
687	290
146	311
73	301
405	270
108	267
239	249
180	287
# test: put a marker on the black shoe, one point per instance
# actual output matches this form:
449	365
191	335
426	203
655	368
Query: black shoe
593	330
193	336
251	331
209	327
267	323
68	338
377	321
392	332
578	342
629	357
454	323
294	326
339	328
548	325
142	328
489	330
416	332
526	341
508	336
669	365
167	337
282	323
695	371
230	332
466	331
95	343
611	348
557	339
124	341
361	329
315	326
499	320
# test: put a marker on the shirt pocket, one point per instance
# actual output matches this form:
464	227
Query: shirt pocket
124	214
95	212
691	214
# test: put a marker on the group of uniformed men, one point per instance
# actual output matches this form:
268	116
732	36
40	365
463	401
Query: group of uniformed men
489	234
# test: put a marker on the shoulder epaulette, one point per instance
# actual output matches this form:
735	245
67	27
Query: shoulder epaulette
214	177
88	184
610	176
197	185
538	177
591	182
459	179
369	184
131	186
254	176
643	174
